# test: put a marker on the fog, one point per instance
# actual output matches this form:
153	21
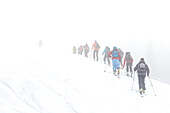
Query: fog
141	27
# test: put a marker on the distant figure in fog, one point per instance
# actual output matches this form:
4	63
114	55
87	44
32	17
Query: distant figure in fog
80	50
74	50
142	69
96	48
40	43
106	52
86	50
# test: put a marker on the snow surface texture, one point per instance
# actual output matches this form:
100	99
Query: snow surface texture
44	85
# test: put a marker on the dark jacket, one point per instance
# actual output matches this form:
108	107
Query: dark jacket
142	71
86	48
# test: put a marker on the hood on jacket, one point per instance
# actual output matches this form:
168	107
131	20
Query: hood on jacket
114	48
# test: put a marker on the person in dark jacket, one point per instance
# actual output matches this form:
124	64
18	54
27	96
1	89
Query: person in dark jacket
106	52
86	50
74	50
128	60
142	69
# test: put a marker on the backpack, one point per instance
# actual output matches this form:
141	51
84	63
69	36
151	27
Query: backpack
115	53
97	45
81	48
121	52
142	67
128	57
107	50
86	47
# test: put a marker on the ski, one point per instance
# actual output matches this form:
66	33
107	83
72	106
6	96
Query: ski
129	76
141	95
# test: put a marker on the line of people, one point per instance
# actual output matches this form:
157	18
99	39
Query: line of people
80	50
116	55
86	49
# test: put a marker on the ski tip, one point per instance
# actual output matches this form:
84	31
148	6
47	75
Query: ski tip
142	95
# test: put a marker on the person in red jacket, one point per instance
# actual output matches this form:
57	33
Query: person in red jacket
96	48
129	61
115	60
80	50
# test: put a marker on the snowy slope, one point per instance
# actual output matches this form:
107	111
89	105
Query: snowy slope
47	84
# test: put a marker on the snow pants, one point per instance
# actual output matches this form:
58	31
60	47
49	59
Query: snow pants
86	53
129	67
95	53
141	80
80	52
108	60
116	64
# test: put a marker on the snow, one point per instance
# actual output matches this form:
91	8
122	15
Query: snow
44	84
50	79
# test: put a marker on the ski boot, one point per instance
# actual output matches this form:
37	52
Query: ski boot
118	71
131	74
114	73
144	92
141	92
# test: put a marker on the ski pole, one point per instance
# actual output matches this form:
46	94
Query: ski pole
133	81
152	86
123	71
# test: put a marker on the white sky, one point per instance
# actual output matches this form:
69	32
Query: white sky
84	20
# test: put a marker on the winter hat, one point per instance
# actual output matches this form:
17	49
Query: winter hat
127	52
142	59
